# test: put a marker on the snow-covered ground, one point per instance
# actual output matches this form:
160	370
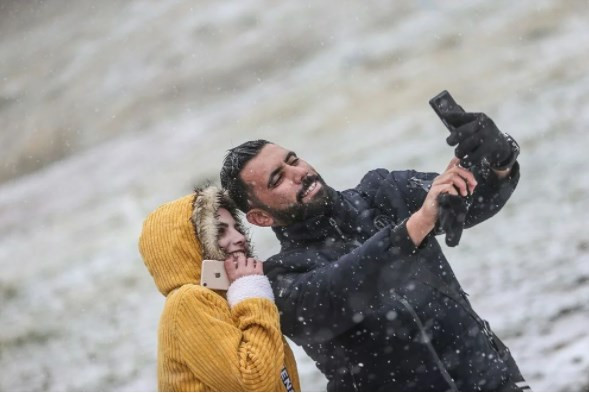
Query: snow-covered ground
109	109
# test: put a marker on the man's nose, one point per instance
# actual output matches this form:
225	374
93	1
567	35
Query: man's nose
298	174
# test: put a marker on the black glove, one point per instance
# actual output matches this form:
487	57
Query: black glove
452	212
476	137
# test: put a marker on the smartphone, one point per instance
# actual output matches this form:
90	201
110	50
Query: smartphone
453	208
442	104
213	275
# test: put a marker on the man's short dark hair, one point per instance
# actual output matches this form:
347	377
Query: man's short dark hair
234	162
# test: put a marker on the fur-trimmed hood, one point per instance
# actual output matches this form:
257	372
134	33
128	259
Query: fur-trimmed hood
204	218
179	235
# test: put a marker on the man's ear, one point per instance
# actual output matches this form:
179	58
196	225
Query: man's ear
259	217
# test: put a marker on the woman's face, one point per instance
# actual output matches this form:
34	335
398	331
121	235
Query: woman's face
230	239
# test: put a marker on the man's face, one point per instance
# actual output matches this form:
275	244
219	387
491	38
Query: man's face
283	186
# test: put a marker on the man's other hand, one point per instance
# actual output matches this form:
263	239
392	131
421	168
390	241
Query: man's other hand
476	137
455	181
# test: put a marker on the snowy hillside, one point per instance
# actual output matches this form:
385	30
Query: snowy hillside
109	109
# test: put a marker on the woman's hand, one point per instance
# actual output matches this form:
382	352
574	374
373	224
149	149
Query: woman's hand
238	265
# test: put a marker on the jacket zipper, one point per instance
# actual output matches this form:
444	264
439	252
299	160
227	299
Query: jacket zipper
333	223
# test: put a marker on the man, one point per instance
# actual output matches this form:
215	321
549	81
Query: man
361	281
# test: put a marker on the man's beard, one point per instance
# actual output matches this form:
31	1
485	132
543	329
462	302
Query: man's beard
300	211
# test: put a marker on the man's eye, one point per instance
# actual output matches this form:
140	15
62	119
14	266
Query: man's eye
276	181
221	231
294	162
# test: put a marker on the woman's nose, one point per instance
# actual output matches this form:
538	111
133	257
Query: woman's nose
238	238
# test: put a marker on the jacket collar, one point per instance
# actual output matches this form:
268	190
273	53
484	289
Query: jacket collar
338	216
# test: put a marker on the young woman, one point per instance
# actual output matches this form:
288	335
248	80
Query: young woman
207	339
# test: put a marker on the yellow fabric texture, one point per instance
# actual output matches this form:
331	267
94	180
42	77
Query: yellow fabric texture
203	343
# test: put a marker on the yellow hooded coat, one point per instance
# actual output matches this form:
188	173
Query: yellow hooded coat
204	344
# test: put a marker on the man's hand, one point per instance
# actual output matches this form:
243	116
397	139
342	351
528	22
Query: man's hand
476	137
238	265
455	181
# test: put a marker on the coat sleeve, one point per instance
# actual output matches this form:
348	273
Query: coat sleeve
490	195
244	352
320	304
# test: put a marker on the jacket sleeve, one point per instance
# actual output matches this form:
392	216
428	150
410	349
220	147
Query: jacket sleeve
489	196
322	303
242	352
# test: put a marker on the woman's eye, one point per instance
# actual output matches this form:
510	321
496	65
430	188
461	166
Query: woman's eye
294	162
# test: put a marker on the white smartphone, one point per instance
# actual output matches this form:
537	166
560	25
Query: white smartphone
213	275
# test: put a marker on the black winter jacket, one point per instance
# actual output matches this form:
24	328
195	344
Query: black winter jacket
376	313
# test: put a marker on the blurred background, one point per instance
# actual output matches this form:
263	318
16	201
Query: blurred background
109	109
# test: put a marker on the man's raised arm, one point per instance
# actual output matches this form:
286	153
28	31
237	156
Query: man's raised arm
319	304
